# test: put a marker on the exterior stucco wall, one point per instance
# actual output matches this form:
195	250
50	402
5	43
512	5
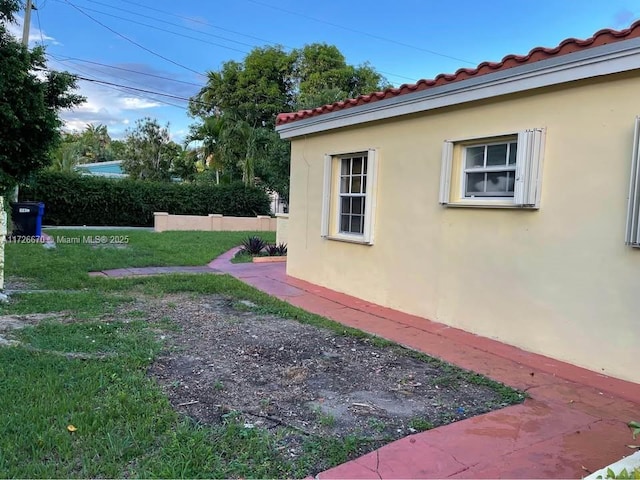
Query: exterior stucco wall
557	281
282	228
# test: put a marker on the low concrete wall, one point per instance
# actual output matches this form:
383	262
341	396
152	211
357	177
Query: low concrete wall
163	222
282	229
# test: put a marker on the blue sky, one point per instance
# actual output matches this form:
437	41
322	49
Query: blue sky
405	41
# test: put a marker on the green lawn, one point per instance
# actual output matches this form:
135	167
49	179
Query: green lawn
66	266
86	367
92	374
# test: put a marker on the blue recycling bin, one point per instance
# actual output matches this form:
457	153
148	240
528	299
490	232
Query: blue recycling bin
27	219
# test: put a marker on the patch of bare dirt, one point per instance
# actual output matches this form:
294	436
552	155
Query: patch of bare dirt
277	372
16	284
16	322
8	323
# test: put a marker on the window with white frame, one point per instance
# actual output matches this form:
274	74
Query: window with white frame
353	192
349	197
499	171
489	170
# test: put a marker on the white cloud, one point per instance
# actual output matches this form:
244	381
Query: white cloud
179	135
119	108
105	106
134	103
35	34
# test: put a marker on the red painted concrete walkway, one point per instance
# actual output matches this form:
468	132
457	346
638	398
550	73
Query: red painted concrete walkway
573	423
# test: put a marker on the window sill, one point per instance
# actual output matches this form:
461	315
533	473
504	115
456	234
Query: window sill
349	239
486	203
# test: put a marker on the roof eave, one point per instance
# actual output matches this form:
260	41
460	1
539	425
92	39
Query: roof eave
592	62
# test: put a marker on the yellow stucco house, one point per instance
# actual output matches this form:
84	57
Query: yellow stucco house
503	200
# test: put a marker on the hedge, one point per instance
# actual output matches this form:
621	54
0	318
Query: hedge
72	199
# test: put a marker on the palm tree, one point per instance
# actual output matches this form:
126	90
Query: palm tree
66	157
211	138
96	143
246	137
225	140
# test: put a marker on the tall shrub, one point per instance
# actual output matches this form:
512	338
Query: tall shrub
72	199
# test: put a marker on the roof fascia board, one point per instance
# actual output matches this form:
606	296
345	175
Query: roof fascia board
592	62
95	164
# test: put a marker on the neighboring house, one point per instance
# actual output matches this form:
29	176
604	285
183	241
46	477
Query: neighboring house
111	169
495	200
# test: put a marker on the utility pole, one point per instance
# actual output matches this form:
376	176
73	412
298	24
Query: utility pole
27	23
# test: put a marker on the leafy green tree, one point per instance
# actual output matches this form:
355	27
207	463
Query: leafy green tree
91	145
184	164
149	152
323	76
237	107
270	81
95	143
272	167
117	149
254	91
30	102
66	153
65	156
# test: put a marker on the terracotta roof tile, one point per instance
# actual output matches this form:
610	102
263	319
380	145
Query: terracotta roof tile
570	45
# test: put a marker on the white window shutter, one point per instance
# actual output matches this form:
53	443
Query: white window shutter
326	196
528	179
370	199
445	172
632	236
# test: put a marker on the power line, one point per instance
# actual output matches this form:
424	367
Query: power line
170	23
206	24
150	51
192	29
143	90
396	75
132	41
119	88
129	70
171	32
92	78
167	31
359	32
61	61
202	22
132	90
152	92
39	26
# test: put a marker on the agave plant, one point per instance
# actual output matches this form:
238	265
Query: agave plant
276	250
253	245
